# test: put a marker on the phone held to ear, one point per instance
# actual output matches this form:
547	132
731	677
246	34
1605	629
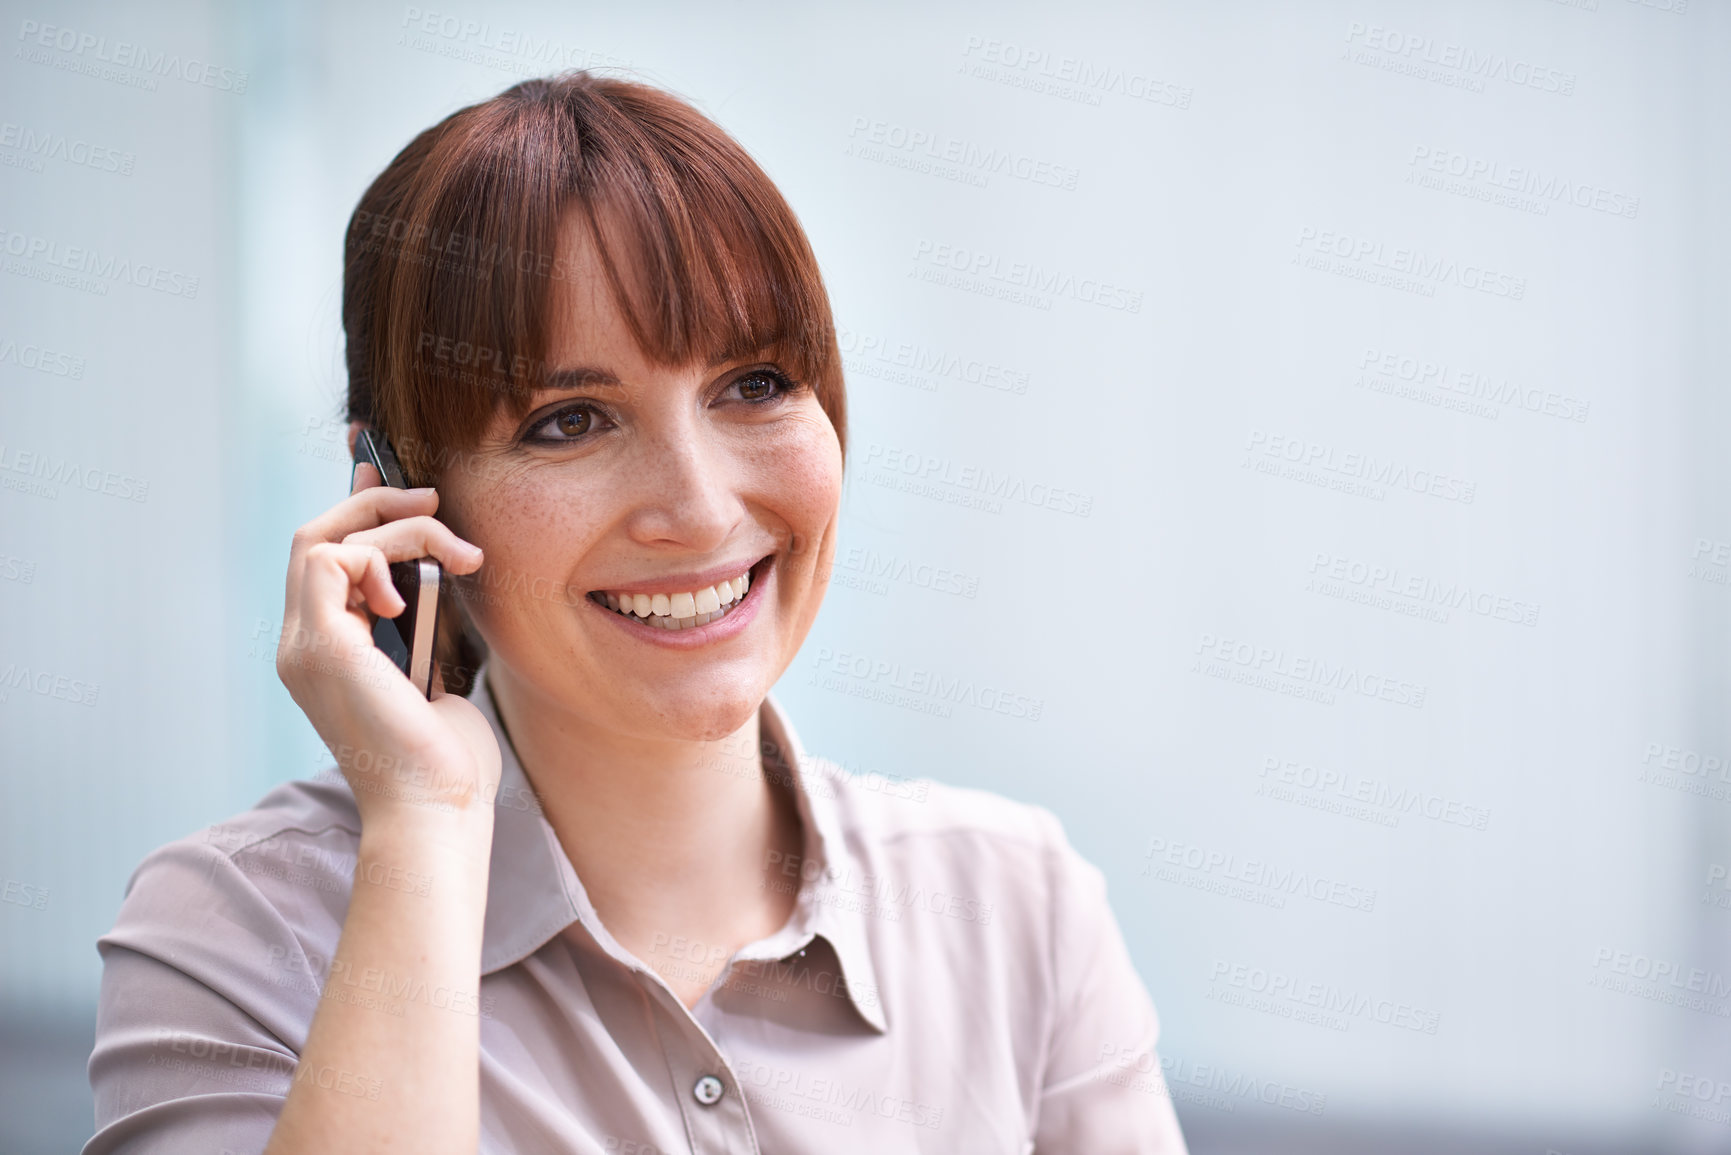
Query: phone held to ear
409	637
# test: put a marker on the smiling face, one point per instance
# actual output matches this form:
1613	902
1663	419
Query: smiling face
646	479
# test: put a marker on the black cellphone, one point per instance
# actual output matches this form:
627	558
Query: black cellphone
411	637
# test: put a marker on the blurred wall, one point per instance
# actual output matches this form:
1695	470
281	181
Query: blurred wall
1287	440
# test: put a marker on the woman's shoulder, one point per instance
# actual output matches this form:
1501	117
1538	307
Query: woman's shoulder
891	808
301	813
263	887
211	971
1001	850
974	870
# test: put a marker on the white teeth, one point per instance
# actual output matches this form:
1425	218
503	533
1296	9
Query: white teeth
682	610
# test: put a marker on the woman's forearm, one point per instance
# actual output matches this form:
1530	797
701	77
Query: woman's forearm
391	1060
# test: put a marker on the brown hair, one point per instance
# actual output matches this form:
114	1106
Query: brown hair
452	251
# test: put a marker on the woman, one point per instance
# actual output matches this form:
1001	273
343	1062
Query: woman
593	896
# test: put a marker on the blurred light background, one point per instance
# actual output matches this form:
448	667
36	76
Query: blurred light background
1289	440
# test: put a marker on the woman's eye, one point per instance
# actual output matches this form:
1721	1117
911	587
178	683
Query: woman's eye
763	385
566	425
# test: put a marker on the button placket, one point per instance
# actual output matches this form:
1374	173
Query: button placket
716	1120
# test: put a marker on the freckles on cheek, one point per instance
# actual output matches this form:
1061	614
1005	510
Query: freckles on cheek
803	472
533	541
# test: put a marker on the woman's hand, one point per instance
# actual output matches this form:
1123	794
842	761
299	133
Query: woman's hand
405	757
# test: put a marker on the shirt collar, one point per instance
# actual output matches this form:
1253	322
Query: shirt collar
533	892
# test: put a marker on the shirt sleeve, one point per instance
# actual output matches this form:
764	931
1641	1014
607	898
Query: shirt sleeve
1102	1090
205	997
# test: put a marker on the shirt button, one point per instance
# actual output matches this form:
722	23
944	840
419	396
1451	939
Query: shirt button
708	1090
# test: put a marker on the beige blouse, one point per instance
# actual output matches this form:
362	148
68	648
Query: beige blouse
952	980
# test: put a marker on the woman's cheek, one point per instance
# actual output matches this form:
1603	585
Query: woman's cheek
804	469
531	542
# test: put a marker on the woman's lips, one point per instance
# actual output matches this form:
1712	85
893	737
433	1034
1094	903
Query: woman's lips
685	583
736	619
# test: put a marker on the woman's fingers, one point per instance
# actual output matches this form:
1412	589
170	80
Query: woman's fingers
338	577
331	641
339	565
367	508
424	536
326	631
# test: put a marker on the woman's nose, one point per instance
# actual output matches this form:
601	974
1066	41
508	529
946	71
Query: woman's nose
684	488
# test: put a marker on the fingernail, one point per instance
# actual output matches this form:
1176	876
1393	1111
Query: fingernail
422	489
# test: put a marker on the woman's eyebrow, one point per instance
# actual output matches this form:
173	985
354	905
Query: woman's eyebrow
589	377
580	378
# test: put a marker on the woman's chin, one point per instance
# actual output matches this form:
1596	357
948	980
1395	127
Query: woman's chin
708	721
700	705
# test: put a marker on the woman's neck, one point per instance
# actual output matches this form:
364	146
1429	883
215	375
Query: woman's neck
669	837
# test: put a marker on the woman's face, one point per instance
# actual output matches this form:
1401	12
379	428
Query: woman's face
640	478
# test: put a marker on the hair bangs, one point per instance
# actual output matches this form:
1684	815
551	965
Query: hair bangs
702	264
453	256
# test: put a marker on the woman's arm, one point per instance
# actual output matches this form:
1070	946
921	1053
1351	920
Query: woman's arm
1104	1089
391	1060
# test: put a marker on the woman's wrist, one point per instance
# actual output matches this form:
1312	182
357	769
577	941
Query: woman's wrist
415	833
430	875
